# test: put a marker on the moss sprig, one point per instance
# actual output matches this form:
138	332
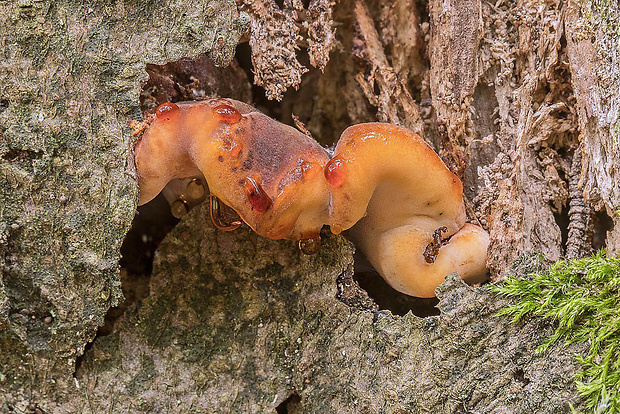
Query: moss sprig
583	297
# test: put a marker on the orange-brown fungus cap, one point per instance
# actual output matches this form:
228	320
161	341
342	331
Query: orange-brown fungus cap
255	165
385	185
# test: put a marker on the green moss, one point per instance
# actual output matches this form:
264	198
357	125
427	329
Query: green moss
583	298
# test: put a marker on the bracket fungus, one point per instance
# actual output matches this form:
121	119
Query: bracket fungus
384	185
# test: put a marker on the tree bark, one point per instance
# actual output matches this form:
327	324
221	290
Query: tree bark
239	323
592	47
70	75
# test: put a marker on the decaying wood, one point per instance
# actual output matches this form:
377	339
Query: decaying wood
193	79
276	34
394	102
520	57
592	45
456	32
580	213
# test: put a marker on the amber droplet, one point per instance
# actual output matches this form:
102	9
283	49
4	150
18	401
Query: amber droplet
335	172
195	189
227	114
166	110
179	208
215	211
310	246
258	198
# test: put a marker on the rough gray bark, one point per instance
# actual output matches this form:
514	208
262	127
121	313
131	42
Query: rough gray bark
237	323
70	75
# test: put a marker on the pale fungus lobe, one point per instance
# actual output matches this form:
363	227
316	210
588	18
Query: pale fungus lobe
404	209
384	186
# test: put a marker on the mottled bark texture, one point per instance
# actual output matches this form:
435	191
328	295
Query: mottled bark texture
276	34
593	44
70	76
523	84
237	323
